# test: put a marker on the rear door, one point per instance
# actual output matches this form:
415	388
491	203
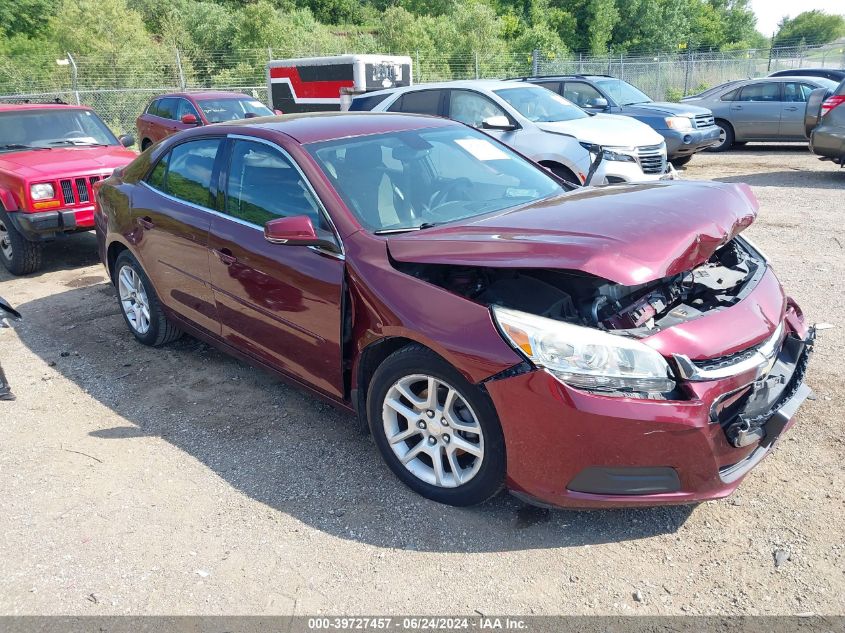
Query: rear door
280	303
173	213
755	114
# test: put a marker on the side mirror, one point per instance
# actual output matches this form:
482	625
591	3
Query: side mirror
190	119
127	140
499	122
278	112
297	230
599	103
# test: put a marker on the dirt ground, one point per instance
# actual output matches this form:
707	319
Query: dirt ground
181	481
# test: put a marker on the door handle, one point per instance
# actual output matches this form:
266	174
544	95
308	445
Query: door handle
225	256
146	222
736	107
791	109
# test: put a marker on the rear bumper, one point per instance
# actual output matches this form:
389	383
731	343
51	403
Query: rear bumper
828	141
680	144
45	225
572	448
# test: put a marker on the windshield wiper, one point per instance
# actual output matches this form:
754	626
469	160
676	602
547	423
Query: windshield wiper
68	141
21	146
405	229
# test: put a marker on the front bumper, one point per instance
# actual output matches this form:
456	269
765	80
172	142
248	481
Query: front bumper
680	144
45	225
616	171
572	448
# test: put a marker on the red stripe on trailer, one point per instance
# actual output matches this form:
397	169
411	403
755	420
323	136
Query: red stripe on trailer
309	89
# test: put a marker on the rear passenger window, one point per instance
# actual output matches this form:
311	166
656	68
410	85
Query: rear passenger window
419	102
153	108
730	96
366	103
264	185
554	86
185	172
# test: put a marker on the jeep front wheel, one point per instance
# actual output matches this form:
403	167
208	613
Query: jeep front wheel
19	255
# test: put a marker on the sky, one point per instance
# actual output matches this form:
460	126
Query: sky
769	12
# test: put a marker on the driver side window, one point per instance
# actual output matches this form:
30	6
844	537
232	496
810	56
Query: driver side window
472	108
581	94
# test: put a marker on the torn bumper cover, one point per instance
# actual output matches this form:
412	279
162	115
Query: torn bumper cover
574	448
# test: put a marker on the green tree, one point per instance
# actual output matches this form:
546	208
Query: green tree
810	27
25	17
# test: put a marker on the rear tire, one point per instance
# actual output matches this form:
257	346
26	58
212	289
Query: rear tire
458	428
726	137
19	255
139	304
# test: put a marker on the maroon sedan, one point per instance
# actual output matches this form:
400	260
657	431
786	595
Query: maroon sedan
609	346
171	113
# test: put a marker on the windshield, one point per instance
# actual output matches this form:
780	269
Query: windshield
219	110
52	127
541	105
409	180
622	92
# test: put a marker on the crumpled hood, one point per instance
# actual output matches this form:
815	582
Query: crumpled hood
606	129
628	234
61	162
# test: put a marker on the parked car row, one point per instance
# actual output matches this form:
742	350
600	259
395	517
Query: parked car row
491	321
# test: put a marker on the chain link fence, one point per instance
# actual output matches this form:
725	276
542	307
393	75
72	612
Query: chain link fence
120	88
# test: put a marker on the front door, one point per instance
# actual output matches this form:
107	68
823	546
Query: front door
281	303
172	219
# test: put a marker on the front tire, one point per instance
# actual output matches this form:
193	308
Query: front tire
19	255
140	305
437	432
726	137
681	161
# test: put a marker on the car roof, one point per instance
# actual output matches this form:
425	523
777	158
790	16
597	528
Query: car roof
7	107
478	84
205	94
315	127
563	76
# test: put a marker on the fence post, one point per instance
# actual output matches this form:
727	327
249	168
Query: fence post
580	63
417	61
771	50
269	53
179	67
657	92
535	62
74	78
687	72
621	66
477	76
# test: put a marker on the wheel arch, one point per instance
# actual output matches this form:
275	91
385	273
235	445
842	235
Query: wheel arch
555	164
112	253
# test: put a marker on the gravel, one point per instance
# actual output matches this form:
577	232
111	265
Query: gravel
181	481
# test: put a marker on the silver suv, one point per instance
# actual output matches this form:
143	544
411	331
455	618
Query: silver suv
538	123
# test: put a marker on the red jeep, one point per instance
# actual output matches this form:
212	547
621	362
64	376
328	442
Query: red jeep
50	157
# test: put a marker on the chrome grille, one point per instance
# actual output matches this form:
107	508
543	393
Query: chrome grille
652	159
82	190
704	120
67	192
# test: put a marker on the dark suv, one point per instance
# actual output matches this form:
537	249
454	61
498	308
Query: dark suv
825	121
687	129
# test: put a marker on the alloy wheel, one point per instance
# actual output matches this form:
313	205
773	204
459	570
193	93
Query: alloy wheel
5	242
433	431
133	299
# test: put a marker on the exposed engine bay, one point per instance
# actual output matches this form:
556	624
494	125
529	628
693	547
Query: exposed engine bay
723	280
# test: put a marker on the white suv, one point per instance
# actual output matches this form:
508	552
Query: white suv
539	124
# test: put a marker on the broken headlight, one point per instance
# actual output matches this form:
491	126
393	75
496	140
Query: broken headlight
584	357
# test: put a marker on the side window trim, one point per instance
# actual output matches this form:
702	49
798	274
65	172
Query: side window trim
223	178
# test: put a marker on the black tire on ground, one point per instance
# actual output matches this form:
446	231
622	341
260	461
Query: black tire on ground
161	331
681	161
414	360
726	135
18	254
